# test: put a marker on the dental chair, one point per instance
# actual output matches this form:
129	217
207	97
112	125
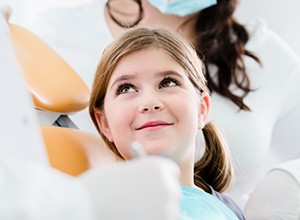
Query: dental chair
57	91
73	151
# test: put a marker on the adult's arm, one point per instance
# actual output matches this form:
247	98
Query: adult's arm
141	189
145	189
278	195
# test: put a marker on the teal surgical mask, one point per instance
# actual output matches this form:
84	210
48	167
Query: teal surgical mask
181	7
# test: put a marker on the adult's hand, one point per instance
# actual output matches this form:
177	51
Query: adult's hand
276	198
146	188
5	11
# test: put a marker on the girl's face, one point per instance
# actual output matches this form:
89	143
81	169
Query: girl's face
150	99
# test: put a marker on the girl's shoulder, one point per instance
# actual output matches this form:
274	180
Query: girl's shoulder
196	203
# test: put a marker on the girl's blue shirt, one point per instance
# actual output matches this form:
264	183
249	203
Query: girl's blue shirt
198	204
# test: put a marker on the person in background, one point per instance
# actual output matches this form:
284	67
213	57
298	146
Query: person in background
252	76
31	189
155	79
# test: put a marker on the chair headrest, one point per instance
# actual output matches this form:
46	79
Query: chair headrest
54	85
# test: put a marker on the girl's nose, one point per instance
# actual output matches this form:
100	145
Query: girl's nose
150	102
150	108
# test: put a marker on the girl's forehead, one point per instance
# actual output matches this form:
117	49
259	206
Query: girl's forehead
154	59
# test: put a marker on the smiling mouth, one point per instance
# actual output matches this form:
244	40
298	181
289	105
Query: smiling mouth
154	125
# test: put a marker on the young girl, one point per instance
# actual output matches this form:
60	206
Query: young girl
150	88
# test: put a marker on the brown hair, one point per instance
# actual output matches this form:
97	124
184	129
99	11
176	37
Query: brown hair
221	39
214	168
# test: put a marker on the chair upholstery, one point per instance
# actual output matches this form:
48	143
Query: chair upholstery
73	151
57	88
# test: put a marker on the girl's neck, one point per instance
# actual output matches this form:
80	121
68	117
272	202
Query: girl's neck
187	173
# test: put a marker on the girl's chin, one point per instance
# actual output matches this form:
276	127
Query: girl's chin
158	149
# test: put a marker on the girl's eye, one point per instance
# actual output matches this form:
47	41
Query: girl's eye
125	88
168	82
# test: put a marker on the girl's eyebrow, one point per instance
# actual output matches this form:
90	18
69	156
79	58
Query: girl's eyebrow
122	78
132	76
168	73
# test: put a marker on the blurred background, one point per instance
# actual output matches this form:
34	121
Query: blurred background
282	16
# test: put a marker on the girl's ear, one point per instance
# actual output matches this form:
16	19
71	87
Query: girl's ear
204	108
103	124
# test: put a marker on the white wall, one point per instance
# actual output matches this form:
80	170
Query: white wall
24	11
282	15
